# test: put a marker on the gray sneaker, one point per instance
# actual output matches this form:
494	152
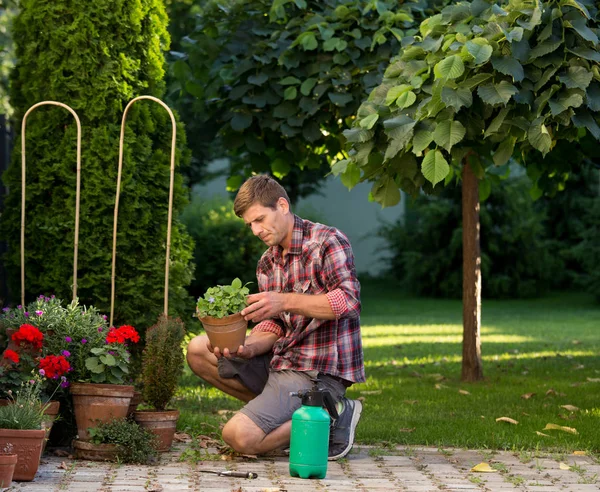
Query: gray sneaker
341	434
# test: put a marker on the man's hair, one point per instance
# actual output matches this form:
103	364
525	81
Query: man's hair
260	189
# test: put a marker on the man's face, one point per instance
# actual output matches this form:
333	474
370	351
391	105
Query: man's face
267	224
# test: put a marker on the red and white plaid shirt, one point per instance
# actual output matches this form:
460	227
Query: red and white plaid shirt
319	261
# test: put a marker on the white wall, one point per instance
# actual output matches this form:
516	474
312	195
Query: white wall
349	211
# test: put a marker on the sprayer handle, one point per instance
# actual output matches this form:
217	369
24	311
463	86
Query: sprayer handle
330	404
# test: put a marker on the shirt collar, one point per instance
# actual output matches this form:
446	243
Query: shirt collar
296	242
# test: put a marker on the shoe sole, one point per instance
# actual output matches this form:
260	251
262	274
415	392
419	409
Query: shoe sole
353	424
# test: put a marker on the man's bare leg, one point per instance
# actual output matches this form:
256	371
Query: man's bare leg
204	364
243	435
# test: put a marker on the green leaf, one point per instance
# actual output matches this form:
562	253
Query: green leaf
494	94
290	93
584	119
544	48
504	151
593	96
351	176
534	20
386	192
233	183
473	82
434	167
357	135
570	99
290	81
449	68
395	92
578	5
280	168
94	365
448	133
579	24
236	283
479	49
369	121
457	98
258	79
339	167
363	151
108	360
576	77
485	189
509	66
309	41
331	44
339	98
587	53
539	137
406	100
421	141
241	121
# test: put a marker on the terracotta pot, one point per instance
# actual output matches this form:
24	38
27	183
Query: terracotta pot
95	403
228	332
95	452
161	423
135	401
27	444
8	463
50	415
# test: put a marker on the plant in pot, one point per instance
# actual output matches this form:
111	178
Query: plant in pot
162	365
21	426
8	462
219	312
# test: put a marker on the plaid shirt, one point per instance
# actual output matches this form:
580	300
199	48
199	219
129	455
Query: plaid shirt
319	261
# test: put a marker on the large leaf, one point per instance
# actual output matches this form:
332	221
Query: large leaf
258	79
241	121
386	192
496	123
476	80
494	94
449	68
509	66
479	49
539	137
396	92
421	141
457	98
593	96
448	133
504	151
576	77
587	53
544	48
579	24
399	138
434	167
369	121
583	119
357	135
351	176
280	168
307	86
339	98
570	99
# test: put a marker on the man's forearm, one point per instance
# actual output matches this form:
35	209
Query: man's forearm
311	306
260	343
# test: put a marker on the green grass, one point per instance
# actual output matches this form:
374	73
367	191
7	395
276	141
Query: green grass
413	351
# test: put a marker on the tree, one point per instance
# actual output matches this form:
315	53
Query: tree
481	81
95	57
278	81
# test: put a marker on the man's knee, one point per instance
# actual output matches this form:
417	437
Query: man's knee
242	434
198	355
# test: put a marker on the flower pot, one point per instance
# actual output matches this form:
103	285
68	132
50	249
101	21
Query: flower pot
228	332
50	414
8	463
161	423
135	401
27	444
95	452
95	403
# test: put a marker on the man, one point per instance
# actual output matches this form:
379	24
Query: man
308	327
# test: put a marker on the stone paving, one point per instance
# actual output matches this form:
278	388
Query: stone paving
366	468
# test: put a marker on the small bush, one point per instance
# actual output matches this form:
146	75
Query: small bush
587	252
135	444
516	258
225	247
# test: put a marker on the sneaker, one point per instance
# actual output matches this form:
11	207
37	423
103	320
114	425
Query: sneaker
341	437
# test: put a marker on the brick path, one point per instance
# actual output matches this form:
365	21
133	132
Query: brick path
366	468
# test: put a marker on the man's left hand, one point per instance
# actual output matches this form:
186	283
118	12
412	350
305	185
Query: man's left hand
265	305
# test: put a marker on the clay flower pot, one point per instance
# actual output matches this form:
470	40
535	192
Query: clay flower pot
95	452
135	401
8	463
94	403
228	332
161	423
27	444
50	414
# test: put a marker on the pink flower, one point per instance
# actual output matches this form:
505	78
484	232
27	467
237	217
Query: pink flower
83	341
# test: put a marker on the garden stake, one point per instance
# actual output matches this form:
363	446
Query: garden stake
228	473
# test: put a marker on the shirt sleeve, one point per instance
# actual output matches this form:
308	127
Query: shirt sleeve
268	326
339	276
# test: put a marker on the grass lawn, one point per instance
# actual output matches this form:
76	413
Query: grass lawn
539	356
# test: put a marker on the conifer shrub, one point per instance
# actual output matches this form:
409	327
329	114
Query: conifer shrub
95	57
162	361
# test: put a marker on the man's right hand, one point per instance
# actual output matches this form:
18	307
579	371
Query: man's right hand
243	352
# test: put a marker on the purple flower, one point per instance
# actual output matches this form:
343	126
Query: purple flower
99	329
83	341
64	384
6	309
39	313
41	297
68	339
42	372
111	352
52	297
32	381
26	313
63	379
66	353
19	307
211	299
104	317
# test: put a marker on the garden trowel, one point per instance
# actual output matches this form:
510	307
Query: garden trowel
227	473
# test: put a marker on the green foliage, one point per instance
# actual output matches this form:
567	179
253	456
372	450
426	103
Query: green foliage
587	252
162	361
25	409
135	444
280	80
223	300
7	12
96	56
108	364
516	258
482	78
224	247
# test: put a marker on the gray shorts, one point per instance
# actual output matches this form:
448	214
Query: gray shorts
274	406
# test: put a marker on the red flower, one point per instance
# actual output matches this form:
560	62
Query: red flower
28	334
122	334
54	366
11	355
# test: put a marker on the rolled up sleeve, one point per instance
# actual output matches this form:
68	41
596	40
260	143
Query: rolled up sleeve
268	326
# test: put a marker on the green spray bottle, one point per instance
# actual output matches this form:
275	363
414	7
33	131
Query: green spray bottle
309	441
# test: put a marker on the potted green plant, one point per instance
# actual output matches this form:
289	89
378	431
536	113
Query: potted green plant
21	426
119	440
219	312
8	462
162	365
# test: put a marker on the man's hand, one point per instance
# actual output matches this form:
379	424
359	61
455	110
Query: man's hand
265	305
257	344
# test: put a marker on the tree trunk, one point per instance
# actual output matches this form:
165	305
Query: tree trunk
472	368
